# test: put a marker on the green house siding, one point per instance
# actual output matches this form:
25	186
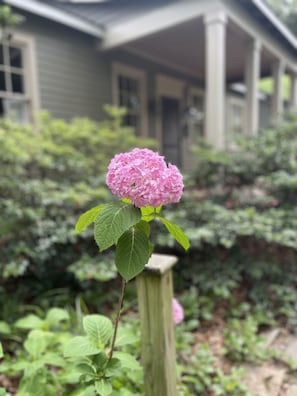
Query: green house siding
73	79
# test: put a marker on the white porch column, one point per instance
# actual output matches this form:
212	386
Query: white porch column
293	93
215	67
252	76
278	69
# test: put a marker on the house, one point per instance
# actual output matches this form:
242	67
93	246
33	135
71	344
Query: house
183	68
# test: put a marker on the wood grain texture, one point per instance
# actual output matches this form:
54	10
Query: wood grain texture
155	293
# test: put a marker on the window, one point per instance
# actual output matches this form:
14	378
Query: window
130	92
16	96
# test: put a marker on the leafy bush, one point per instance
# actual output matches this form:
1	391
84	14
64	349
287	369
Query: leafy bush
50	174
247	193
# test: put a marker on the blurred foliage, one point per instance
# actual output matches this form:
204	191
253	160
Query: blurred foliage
50	174
247	192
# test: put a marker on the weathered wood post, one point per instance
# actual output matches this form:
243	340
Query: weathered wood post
155	293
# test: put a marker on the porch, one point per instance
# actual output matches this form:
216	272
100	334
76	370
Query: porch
220	43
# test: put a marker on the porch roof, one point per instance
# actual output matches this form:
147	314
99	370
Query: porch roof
106	17
49	11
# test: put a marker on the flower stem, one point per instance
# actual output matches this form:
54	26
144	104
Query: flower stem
117	320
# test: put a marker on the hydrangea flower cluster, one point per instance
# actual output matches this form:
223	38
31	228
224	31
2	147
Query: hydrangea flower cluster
143	176
178	311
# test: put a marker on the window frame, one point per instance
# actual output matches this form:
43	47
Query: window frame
120	69
30	97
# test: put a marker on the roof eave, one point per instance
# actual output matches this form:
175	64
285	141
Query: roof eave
59	16
280	26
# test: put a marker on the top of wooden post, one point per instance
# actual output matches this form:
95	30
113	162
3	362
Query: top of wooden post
160	263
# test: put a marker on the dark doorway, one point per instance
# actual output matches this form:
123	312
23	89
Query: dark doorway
171	130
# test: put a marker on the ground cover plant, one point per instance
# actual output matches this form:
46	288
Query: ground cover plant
238	278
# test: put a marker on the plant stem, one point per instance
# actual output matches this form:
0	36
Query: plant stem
120	306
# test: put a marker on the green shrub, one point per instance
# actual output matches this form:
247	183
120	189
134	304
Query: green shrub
50	174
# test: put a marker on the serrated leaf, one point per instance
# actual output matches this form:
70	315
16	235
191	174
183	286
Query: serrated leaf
128	361
30	322
112	221
80	346
132	253
103	387
87	218
56	315
98	328
177	233
148	213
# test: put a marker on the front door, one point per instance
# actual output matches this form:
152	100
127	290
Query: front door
171	133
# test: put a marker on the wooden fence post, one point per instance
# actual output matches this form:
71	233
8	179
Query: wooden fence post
155	293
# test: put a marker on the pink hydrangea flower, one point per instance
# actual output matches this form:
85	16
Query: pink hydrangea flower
144	177
178	311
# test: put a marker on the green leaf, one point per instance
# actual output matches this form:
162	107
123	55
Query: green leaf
56	315
30	322
53	359
176	232
132	253
125	337
4	328
148	213
112	221
128	361
3	392
144	226
1	351
36	343
87	218
126	200
103	387
98	328
89	391
80	346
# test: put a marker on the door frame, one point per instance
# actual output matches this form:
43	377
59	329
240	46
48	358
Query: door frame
167	87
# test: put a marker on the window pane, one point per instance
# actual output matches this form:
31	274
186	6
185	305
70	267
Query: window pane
2	81
17	83
1	55
15	55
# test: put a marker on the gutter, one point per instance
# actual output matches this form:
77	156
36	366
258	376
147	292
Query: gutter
59	16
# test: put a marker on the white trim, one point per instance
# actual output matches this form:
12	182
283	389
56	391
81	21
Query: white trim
31	72
140	75
31	93
155	21
190	139
52	13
